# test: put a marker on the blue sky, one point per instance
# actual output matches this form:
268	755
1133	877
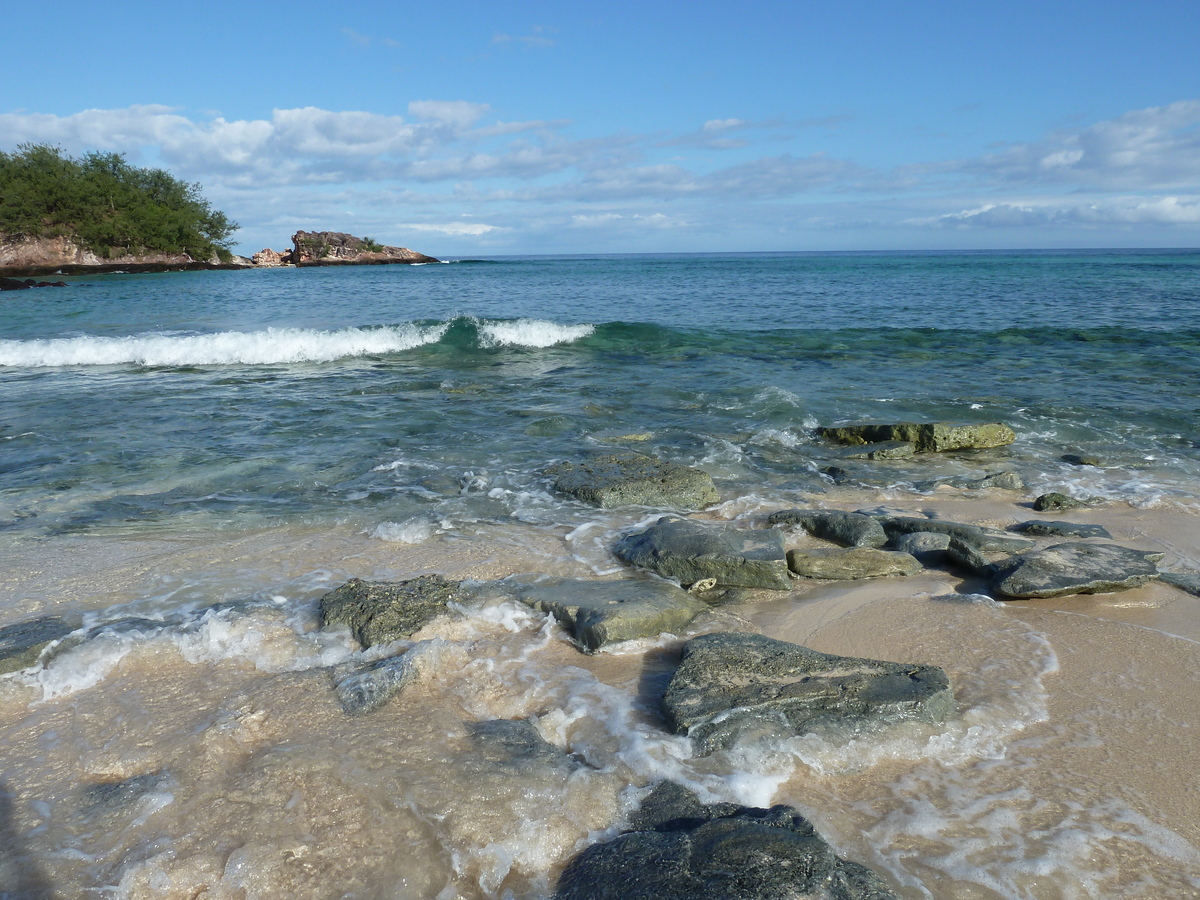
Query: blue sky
465	128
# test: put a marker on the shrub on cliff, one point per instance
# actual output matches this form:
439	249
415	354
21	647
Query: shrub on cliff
107	205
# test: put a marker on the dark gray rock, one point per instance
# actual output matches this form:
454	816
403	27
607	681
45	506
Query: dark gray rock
845	528
514	746
1185	581
850	563
975	561
931	437
1061	529
369	689
632	480
983	539
381	611
1082	459
717	851
601	612
928	547
882	450
693	552
733	687
836	474
1054	501
21	644
1075	568
108	797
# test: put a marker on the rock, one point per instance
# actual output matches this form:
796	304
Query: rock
369	689
1061	529
331	248
883	450
21	644
969	557
601	612
1008	481
1185	581
845	528
929	547
692	552
934	437
381	611
836	474
686	850
16	284
732	687
1079	459
270	259
986	539
107	797
633	480
849	564
514	746
1054	501
1075	568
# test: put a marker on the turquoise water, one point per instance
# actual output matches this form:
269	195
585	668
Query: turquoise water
440	393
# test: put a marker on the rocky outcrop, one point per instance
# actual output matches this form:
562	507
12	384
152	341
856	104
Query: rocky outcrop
272	259
681	848
634	480
333	248
22	644
602	612
16	284
932	437
845	528
713	555
1075	568
851	564
733	687
26	255
380	611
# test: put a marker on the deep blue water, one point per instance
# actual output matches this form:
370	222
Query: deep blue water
363	395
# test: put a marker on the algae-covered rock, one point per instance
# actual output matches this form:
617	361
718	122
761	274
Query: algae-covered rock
601	612
1041	528
882	450
381	611
733	687
1076	568
928	437
721	554
687	850
977	536
851	563
634	480
1053	501
845	528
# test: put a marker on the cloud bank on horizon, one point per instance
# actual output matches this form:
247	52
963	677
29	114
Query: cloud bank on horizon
456	175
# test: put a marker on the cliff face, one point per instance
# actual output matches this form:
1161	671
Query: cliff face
25	255
333	248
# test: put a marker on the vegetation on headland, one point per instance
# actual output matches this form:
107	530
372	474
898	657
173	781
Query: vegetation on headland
107	205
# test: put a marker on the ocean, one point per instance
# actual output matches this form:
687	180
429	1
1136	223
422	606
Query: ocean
189	461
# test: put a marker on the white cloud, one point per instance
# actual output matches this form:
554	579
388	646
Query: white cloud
1172	210
454	229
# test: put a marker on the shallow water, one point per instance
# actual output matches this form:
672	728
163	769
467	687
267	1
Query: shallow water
188	462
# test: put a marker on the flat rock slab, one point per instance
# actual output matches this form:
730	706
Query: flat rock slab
1075	568
851	563
633	480
719	851
1061	529
719	555
984	539
845	528
882	450
601	612
21	644
381	611
927	437
1185	581
733	687
926	546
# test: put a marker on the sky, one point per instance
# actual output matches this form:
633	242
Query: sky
483	128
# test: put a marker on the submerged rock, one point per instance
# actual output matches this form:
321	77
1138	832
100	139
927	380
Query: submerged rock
851	563
845	528
682	849
1061	529
732	687
633	480
515	746
369	689
883	450
1185	581
22	644
601	612
108	797
1075	568
381	611
931	437
1082	459
719	555
977	536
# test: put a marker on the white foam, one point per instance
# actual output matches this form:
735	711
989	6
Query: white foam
530	333
272	346
414	531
